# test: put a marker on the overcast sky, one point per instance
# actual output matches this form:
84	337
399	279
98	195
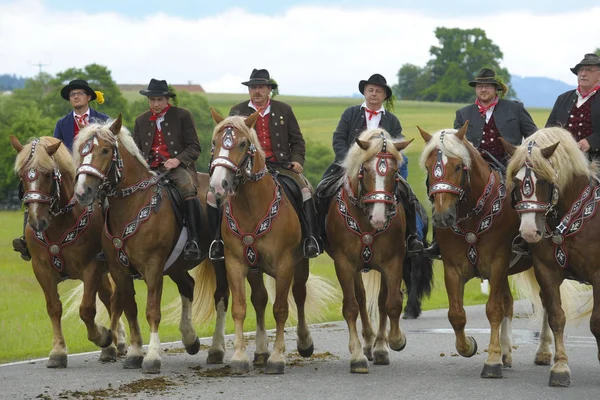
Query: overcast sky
309	48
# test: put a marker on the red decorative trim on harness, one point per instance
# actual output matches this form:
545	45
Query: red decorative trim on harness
264	226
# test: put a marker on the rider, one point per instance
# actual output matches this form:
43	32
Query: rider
166	136
79	94
490	118
281	140
372	114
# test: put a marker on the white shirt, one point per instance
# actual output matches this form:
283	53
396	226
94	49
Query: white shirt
488	114
264	112
581	100
86	113
375	119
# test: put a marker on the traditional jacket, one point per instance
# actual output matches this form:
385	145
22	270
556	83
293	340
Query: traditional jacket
512	120
179	131
286	138
562	109
65	127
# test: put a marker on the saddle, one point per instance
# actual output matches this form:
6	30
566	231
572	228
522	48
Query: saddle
292	191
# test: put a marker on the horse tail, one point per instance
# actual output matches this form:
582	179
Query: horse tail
575	297
320	294
372	284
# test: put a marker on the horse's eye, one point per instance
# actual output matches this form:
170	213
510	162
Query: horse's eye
458	167
242	144
105	151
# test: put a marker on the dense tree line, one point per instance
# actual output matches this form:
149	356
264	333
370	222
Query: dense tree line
11	82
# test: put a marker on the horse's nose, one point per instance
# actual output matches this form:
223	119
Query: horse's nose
225	184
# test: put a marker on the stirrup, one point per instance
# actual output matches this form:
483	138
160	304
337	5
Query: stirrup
214	253
433	252
191	251
307	246
520	246
418	247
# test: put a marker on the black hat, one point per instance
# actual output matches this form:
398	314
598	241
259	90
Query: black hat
157	88
376	79
588	59
77	84
260	77
486	75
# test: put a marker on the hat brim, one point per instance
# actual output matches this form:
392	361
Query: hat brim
260	82
363	83
152	93
487	81
64	92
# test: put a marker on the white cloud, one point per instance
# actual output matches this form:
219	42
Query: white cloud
309	50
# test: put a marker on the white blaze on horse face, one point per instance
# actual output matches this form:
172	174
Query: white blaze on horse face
378	213
79	186
528	228
34	206
219	175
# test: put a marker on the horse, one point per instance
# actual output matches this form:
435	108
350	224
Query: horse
139	237
474	226
62	237
556	192
365	228
262	234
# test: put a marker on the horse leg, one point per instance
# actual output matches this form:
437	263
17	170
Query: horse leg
216	353
368	333
49	284
117	327
506	328
110	353
185	286
259	298
381	354
492	367
99	335
543	354
236	276
466	346
283	281
393	305
304	342
154	281
347	276
124	295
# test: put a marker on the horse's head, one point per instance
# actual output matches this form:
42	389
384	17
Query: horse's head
447	159
538	172
40	166
236	154
96	152
372	168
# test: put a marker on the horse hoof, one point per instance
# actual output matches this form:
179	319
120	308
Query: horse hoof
107	340
398	346
409	316
307	352
260	359
194	348
108	354
360	367
239	367
133	362
151	367
215	357
368	352
493	371
472	346
275	367
121	349
382	358
559	379
543	359
57	361
506	361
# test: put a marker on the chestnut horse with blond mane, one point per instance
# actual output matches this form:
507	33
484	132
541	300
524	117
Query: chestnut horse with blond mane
262	234
557	193
140	234
365	229
62	237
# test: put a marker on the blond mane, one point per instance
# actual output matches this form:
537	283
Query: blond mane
451	146
566	162
42	162
238	123
102	131
356	156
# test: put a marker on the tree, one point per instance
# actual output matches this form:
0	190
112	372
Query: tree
597	51
461	54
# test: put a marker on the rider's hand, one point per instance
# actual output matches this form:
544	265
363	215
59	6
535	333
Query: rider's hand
172	163
296	167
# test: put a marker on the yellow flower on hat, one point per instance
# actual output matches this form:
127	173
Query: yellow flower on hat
99	97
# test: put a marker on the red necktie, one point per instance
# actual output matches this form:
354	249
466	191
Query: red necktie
82	119
371	113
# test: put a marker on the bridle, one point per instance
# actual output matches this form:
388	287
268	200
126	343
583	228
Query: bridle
439	185
115	170
243	170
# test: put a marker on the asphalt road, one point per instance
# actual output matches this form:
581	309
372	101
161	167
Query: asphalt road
428	368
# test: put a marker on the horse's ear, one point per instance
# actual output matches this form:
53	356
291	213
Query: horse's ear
53	148
363	144
426	136
462	131
548	151
508	147
115	128
215	115
15	143
402	145
251	120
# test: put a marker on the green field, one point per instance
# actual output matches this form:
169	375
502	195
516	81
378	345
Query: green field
25	330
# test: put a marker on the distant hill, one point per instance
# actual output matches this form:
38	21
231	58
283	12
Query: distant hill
537	91
11	82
